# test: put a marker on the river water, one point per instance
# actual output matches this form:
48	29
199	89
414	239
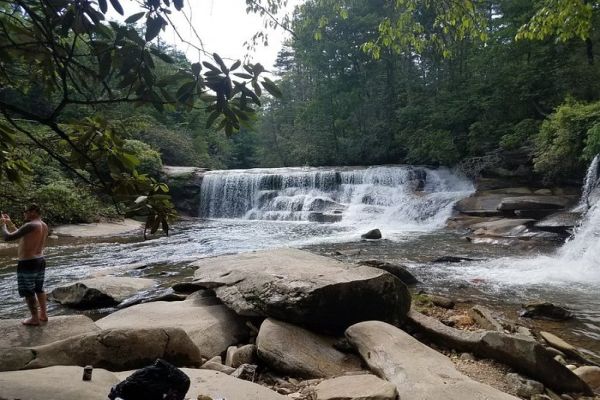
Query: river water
261	209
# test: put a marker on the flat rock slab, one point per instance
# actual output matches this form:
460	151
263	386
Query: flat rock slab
559	221
357	387
417	371
15	334
56	383
100	292
502	227
481	205
297	352
218	385
303	288
536	202
212	327
115	350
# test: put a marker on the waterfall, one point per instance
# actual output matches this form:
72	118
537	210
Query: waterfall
591	185
397	196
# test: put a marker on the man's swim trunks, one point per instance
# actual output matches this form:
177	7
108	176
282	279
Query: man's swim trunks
30	276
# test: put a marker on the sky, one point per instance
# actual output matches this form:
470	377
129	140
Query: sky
223	26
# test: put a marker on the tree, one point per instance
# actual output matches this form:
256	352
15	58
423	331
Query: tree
61	55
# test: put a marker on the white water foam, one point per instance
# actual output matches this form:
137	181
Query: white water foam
397	199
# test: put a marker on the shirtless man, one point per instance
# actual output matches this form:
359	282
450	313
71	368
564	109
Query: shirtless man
32	265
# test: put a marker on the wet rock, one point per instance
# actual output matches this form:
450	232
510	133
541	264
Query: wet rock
451	259
521	353
305	289
184	187
373	234
324	218
536	202
210	325
591	375
524	387
15	334
546	311
541	397
417	371
559	222
321	205
362	387
534	214
297	352
117	349
399	271
484	318
502	227
56	383
543	192
100	292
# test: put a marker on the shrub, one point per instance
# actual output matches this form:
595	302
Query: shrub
150	162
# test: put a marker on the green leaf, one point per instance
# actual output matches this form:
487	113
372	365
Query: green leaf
235	65
243	75
211	67
211	118
219	61
103	6
178	4
134	18
272	88
117	6
196	68
153	27
163	56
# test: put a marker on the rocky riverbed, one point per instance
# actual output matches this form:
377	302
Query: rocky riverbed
268	325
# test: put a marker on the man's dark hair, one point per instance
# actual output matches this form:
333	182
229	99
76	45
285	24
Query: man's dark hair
34	207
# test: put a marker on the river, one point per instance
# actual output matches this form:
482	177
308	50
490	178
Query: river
261	209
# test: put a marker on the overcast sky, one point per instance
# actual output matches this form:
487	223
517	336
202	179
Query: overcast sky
223	26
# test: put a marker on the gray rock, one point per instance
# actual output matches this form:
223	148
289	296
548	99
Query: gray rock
559	222
99	292
524	387
241	355
521	353
212	327
545	311
417	371
116	349
325	217
484	318
186	287
591	376
302	288
373	234
246	372
217	385
502	227
215	364
359	387
399	271
480	205
536	202
298	352
56	383
15	334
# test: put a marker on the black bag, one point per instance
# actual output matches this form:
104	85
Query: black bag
159	381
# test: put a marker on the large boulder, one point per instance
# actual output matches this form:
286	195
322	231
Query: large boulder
184	186
536	202
357	387
517	351
417	371
15	334
114	349
303	288
480	205
99	292
56	383
297	352
399	271
209	324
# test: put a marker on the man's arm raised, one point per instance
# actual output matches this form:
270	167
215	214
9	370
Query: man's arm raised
19	233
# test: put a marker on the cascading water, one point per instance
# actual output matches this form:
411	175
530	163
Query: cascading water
591	185
396	198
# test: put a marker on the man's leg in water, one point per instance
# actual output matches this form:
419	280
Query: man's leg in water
33	309
42	301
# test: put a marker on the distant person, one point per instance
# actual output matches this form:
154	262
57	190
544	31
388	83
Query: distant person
32	264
